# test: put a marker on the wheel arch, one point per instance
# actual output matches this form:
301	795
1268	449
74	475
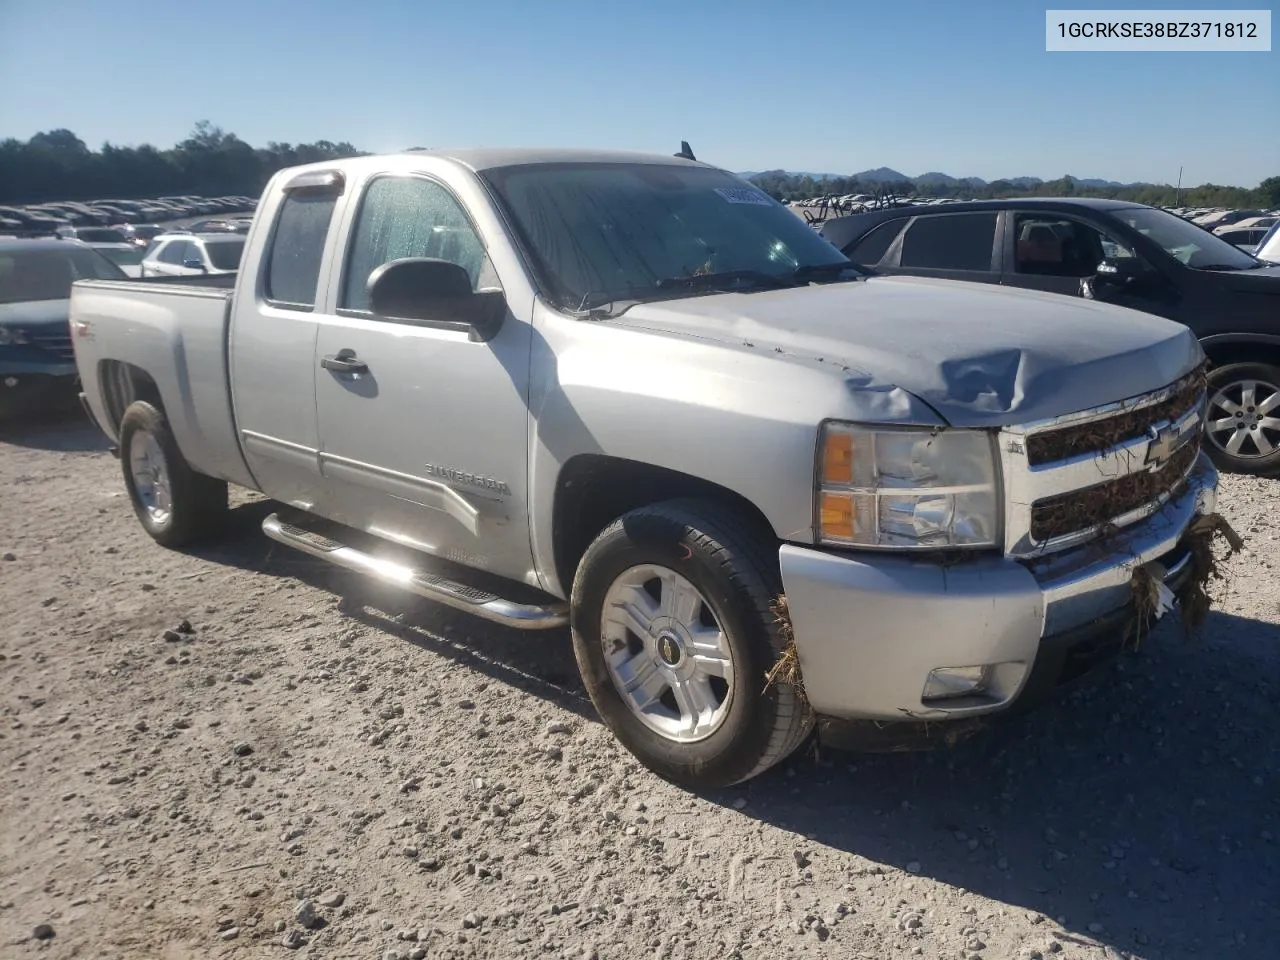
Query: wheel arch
593	490
122	383
1225	348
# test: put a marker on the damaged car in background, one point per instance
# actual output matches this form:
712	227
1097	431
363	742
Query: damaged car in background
1119	252
635	395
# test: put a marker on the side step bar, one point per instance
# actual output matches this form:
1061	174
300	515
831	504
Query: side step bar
481	603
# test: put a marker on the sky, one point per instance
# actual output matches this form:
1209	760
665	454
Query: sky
962	88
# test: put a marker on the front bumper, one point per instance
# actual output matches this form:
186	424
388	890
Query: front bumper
870	628
25	393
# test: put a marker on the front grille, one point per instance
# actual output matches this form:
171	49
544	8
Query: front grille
1102	503
1128	423
59	344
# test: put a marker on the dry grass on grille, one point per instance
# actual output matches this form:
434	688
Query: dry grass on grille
1097	505
1194	597
787	667
1098	435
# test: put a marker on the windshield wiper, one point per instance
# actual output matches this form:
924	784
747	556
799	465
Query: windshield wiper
815	270
724	278
1222	266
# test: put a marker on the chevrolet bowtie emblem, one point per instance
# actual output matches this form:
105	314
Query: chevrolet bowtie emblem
1167	440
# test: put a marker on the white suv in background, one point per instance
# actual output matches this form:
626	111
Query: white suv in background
191	254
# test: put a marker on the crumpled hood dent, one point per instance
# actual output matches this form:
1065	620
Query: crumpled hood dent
980	355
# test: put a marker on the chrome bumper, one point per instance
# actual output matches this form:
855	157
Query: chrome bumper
870	628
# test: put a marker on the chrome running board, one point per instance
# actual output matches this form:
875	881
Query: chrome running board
459	596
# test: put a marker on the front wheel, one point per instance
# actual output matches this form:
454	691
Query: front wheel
175	505
674	633
1243	423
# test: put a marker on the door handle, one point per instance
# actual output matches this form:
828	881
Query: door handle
344	361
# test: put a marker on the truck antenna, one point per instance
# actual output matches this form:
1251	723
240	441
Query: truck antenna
686	152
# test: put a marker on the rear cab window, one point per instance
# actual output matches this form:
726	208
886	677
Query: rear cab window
295	251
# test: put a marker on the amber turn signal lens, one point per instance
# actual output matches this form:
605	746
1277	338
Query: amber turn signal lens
837	458
836	516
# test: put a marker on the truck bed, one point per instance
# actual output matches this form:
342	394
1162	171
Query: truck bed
176	328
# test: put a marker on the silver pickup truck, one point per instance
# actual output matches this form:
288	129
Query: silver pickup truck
635	395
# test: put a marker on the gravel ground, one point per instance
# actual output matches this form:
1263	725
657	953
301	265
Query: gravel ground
245	753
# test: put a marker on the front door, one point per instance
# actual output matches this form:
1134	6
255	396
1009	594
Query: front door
1055	253
424	431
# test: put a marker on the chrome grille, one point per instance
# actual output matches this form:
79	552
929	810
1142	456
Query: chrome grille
1066	513
59	344
1068	479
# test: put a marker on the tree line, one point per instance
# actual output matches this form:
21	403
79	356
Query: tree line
789	186
58	165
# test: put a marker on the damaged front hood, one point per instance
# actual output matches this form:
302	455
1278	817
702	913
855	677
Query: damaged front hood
980	355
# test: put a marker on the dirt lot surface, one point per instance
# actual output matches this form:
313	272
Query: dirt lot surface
432	786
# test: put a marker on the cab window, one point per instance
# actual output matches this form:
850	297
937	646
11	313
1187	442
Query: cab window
410	217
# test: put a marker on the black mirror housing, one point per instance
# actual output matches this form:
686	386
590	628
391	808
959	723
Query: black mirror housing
439	291
1120	270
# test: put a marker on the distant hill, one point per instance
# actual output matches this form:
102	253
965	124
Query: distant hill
935	179
881	175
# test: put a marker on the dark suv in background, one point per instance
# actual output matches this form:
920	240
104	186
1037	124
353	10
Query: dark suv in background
1124	253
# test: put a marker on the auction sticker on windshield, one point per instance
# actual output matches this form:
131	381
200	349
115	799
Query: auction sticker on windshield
744	195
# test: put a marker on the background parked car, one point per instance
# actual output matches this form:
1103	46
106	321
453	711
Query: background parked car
1246	238
190	254
1269	248
220	226
1125	253
141	234
37	363
112	243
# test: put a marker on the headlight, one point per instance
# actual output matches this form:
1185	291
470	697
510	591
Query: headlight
907	488
11	337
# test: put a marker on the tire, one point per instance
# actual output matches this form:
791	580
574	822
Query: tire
183	507
741	728
1252	428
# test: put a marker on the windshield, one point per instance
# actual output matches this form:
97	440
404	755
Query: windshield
225	254
1269	246
27	275
613	231
123	256
1185	242
147	232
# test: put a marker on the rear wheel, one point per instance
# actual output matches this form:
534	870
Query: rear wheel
1243	424
673	634
175	505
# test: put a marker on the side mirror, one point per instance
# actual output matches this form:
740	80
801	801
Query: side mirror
424	288
195	265
1120	271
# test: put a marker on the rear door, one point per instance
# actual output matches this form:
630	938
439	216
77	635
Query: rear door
427	442
875	246
950	246
273	333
